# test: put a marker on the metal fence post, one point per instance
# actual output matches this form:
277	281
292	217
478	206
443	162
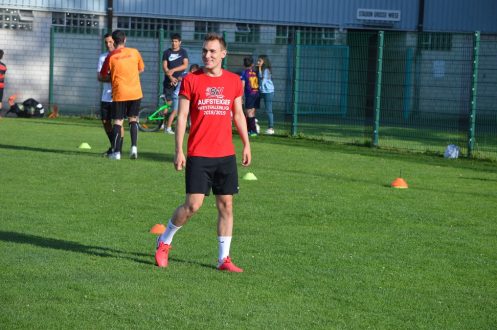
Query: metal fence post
296	85
224	63
51	69
474	83
102	41
159	71
377	96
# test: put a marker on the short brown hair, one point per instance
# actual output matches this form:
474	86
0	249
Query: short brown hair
119	37
211	36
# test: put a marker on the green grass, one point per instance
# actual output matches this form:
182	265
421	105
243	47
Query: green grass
420	138
324	241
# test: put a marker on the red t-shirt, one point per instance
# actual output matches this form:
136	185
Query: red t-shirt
211	112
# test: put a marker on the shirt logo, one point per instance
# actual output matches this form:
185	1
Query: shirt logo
216	92
214	103
174	57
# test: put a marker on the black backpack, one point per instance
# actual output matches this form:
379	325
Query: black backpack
33	108
29	108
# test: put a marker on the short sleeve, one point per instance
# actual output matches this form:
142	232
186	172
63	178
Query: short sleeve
186	87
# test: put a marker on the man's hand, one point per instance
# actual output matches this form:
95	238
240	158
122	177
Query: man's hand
179	161
246	156
174	81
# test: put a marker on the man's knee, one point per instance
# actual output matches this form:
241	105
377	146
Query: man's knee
191	207
225	205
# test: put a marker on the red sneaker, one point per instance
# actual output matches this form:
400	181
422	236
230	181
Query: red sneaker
227	265
162	254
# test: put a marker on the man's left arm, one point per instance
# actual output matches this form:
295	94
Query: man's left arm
241	127
180	68
104	74
141	64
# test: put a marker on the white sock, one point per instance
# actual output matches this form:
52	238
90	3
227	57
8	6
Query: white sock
167	236
224	248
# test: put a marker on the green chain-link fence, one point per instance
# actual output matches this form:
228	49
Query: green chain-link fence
402	90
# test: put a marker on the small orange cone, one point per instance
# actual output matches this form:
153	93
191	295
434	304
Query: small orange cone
158	229
55	111
399	183
12	99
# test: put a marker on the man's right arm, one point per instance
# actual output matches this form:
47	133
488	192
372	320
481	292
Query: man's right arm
183	110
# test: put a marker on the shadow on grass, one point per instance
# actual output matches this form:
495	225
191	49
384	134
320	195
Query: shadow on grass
154	156
367	151
105	252
75	121
477	179
57	151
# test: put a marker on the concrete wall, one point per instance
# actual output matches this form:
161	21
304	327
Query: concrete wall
445	80
76	88
27	56
487	75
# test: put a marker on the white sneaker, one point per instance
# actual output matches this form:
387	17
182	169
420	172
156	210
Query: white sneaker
257	127
270	131
115	156
169	131
133	154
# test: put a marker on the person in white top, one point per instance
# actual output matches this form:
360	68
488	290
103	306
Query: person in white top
266	88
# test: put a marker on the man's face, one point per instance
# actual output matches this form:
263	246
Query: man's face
175	44
213	54
109	43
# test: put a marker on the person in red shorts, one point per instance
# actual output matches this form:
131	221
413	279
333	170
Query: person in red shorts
3	70
212	97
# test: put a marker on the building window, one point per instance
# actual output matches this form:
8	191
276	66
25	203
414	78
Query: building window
148	27
202	28
76	23
283	35
316	36
436	41
14	19
247	33
308	35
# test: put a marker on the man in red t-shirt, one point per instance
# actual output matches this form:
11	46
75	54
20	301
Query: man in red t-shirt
213	99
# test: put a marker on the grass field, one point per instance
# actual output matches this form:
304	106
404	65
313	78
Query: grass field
421	138
324	241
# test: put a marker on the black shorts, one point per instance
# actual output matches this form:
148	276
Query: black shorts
252	101
203	173
168	90
1	94
121	109
106	111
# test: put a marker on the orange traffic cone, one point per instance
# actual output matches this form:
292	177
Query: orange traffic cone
158	229
399	183
12	99
54	113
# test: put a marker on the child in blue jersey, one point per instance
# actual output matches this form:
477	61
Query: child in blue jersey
250	82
